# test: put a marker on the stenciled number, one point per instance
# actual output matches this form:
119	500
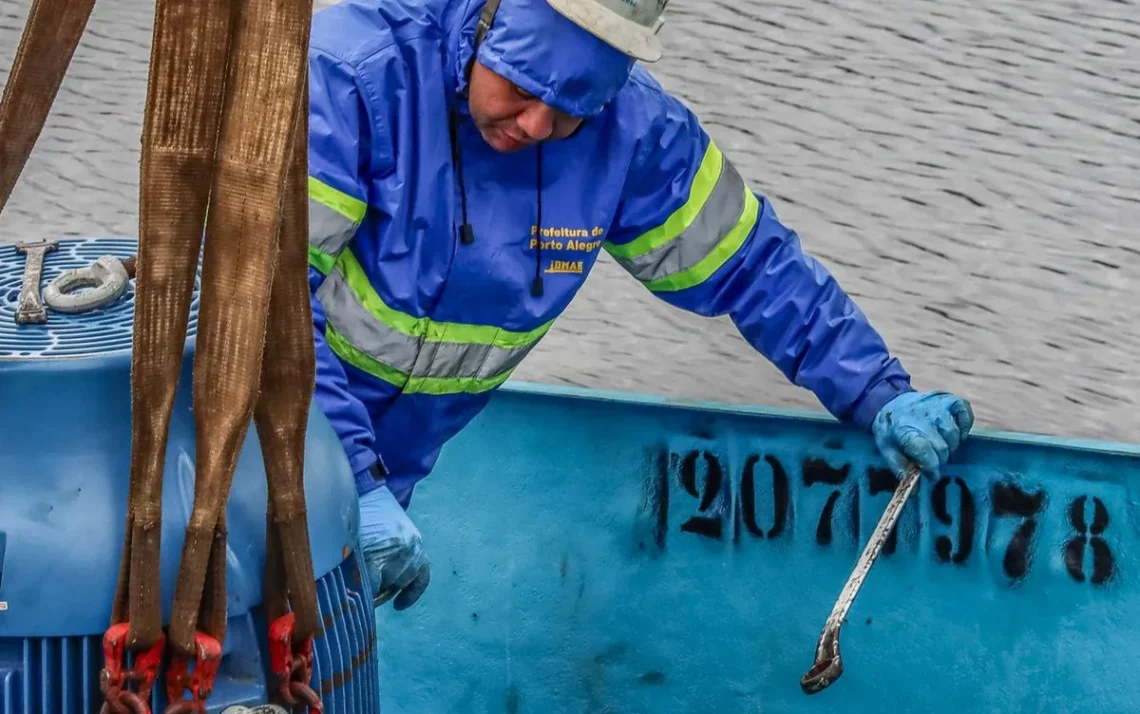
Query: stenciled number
819	471
943	547
781	496
709	526
1011	500
1008	501
1089	534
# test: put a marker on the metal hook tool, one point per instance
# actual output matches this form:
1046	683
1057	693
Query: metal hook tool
828	664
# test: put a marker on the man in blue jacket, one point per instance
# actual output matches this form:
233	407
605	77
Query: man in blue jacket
469	159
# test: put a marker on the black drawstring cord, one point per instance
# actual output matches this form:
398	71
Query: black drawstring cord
466	232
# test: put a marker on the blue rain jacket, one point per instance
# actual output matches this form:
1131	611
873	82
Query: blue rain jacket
434	273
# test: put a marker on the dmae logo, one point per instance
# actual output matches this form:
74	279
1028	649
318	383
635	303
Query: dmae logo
566	266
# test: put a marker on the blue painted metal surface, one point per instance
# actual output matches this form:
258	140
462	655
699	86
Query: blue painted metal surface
593	552
602	553
64	461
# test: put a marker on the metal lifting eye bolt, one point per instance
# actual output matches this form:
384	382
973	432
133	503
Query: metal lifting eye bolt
107	279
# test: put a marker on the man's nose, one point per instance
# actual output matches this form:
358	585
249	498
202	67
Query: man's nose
537	121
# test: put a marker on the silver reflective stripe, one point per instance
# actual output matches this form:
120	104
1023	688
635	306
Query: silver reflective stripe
717	217
452	359
348	317
329	231
413	356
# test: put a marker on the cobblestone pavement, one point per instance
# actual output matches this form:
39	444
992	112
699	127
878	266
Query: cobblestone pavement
969	171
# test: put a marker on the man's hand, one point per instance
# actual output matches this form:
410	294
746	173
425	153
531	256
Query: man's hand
922	427
393	552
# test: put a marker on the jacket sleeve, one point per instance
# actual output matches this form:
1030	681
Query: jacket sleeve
690	230
338	202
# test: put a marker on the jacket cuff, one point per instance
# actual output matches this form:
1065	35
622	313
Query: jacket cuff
361	460
366	467
876	398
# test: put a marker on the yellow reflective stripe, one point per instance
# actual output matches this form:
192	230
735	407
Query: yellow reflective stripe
349	353
334	217
320	260
702	187
424	327
416	355
718	256
410	385
461	385
351	208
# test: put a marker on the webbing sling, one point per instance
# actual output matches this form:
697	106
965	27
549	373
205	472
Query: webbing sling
263	96
248	58
50	37
176	164
287	381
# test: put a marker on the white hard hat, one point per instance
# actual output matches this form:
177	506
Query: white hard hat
629	25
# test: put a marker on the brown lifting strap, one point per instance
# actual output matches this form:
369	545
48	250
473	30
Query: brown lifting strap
263	93
225	125
50	38
287	380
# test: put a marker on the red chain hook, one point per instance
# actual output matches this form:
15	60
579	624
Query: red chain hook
114	678
200	682
292	665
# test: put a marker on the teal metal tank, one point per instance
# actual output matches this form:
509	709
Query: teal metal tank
64	462
596	552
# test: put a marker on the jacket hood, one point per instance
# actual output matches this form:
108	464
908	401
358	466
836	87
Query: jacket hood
541	51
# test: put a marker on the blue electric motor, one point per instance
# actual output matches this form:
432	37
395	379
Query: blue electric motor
65	437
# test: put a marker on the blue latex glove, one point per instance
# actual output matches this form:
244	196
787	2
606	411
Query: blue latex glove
393	550
924	427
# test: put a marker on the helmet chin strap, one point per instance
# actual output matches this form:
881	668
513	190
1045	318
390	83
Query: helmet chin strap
486	19
482	27
466	232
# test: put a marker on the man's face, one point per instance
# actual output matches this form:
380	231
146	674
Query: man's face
511	118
